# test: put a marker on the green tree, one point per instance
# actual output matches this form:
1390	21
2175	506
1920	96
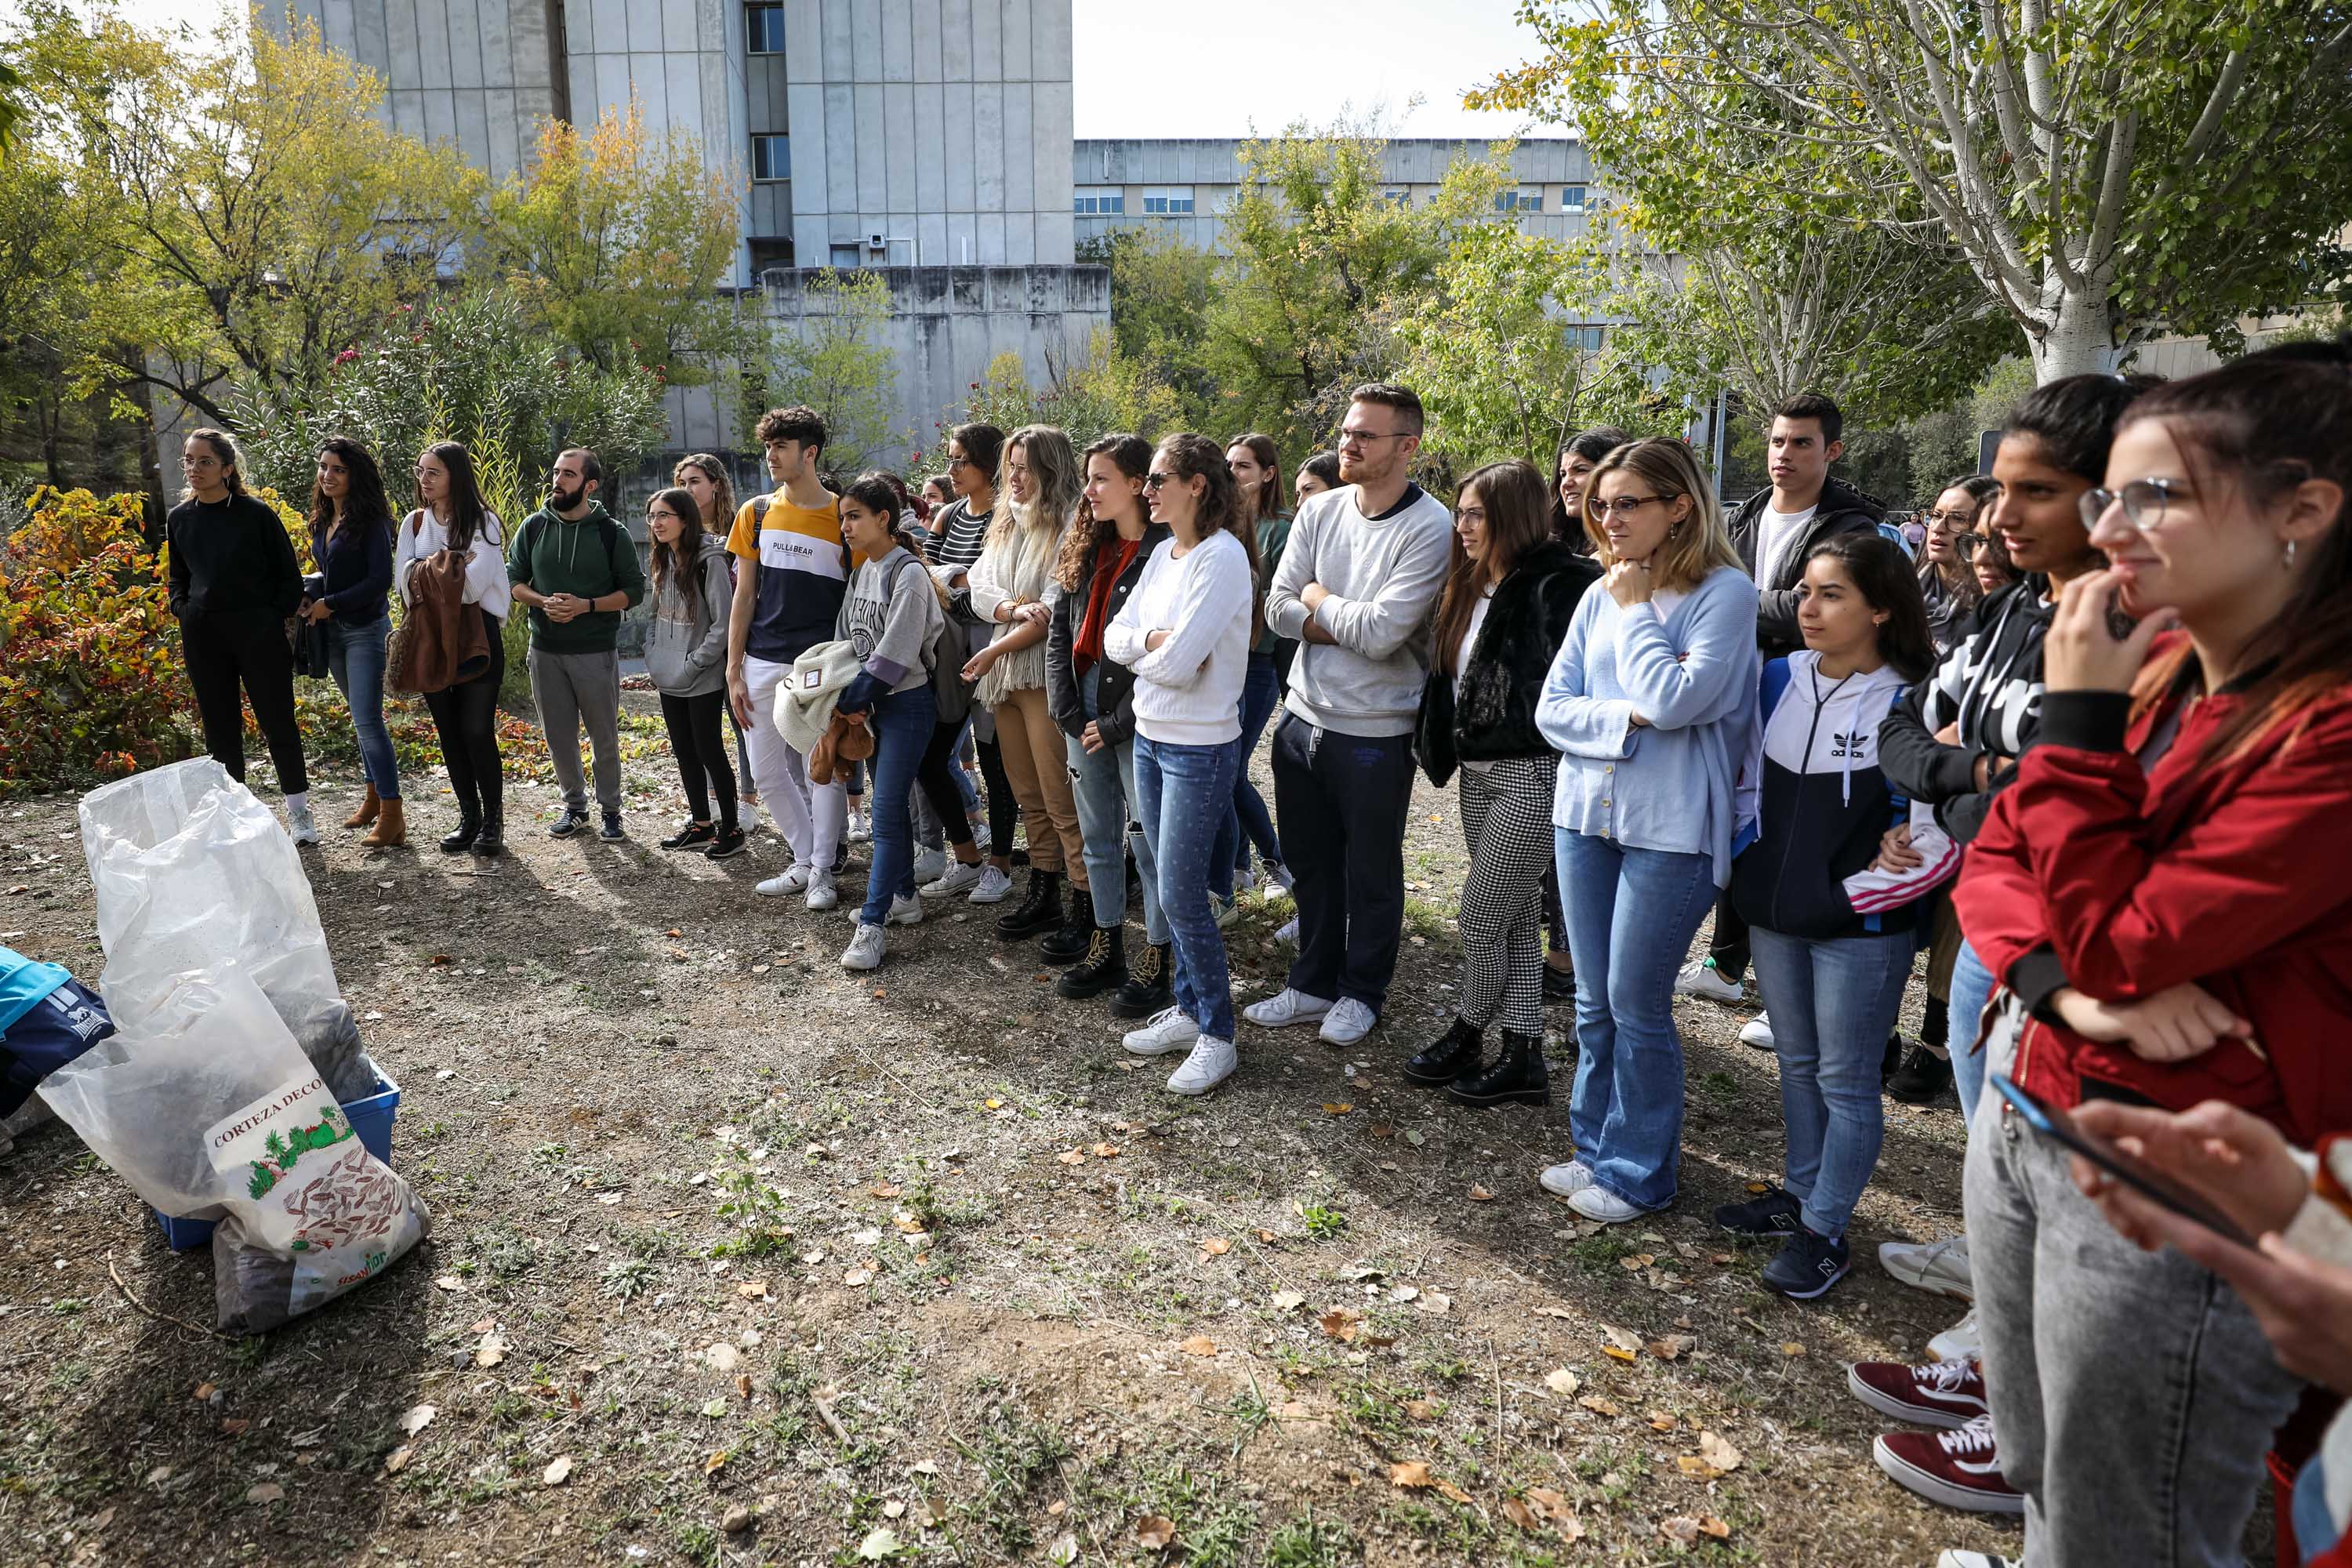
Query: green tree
2106	171
1101	391
1159	289
829	359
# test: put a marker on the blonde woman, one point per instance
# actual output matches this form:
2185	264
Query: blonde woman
1039	485
1651	702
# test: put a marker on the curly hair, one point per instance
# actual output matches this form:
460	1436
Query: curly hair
1131	455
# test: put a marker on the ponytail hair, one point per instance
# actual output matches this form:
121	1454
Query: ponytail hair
231	455
1196	457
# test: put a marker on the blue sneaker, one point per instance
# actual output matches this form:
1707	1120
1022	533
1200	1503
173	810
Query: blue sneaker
1774	1214
1807	1265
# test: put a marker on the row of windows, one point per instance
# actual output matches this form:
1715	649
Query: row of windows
1110	201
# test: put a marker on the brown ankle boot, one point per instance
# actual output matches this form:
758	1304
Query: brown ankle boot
390	829
368	806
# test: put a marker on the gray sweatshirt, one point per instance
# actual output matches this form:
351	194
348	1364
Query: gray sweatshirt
686	646
890	616
1384	576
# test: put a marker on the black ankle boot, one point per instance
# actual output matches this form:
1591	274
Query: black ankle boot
469	828
1519	1073
1077	936
492	838
1105	966
1922	1078
1041	911
1147	989
1452	1053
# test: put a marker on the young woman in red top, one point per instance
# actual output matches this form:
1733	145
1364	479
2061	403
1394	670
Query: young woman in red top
2162	892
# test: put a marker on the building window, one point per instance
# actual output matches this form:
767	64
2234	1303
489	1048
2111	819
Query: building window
1168	201
1526	199
769	253
772	157
1099	201
767	29
1398	195
1587	338
1571	198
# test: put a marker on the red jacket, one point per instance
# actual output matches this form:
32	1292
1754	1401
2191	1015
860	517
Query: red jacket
2094	873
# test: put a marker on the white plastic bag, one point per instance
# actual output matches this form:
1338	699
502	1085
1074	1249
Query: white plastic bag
205	1104
192	872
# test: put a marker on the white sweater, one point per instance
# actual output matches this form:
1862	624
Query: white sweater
1188	691
421	537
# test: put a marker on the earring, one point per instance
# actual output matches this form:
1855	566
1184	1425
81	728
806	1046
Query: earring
2290	556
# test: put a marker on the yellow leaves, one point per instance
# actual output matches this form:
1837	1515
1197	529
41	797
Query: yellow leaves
1154	1532
1216	1246
1199	1345
1340	1324
1412	1475
1337	1107
1479	1194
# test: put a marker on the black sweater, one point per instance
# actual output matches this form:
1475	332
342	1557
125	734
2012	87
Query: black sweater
1114	689
1842	510
1990	686
231	559
1508	664
357	565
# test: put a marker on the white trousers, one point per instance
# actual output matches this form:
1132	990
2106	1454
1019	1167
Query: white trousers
811	819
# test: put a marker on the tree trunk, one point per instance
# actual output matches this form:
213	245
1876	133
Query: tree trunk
2080	339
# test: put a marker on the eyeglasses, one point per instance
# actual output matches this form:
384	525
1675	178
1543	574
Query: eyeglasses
1949	519
1624	506
1969	544
1358	438
2142	502
1474	515
1153	482
961	463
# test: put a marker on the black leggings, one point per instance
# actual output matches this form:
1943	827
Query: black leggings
940	786
466	717
699	739
1002	809
236	649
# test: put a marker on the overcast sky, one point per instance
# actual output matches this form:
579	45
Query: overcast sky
1223	67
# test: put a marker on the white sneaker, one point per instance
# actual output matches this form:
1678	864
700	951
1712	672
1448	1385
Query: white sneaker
1598	1203
792	878
1962	1341
931	866
1286	1008
1348	1022
1702	979
861	827
865	948
304	825
1952	1557
1567	1180
954	879
1757	1031
1225	912
1169	1029
980	834
1244	881
1941	1266
905	910
994	887
1289	931
1212	1062
1276	875
822	893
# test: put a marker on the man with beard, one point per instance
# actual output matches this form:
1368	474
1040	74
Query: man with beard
577	570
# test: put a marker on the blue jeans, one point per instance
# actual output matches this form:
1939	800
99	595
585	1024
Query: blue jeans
1631	917
1261	690
356	657
1832	1004
1102	783
1972	989
1183	793
902	726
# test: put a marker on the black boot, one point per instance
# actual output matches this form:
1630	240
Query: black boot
1452	1053
1041	911
1922	1078
1519	1073
469	828
1076	939
1890	1060
1146	990
1105	966
492	838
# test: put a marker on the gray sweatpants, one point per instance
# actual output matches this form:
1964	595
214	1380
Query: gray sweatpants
570	689
2133	1394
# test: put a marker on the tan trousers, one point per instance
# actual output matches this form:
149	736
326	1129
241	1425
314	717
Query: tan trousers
1037	760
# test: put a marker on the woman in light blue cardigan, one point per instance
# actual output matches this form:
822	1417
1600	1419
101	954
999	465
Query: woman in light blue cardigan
1651	704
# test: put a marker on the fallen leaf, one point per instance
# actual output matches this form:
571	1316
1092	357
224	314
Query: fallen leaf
1661	1422
1266	1237
878	1544
1760	1188
1561	1312
883	1190
1563	1381
397	1460
752	1288
1793	1348
1415	1139
1718	1453
1618	1353
268	1491
1623	1339
1682	1530
204	1391
1421	1409
450	1283
714	1408
1692	1464
1451	1490
1671	1347
711	1466
1520	1514
1435	1302
992	1105
415	1419
236	1425
1337	1107
484	1326
1549	1500
743	1384
1153	1532
1479	1194
1599	1406
1216	1246
720	1357
558	1471
1634	1262
1404	1292
1057	1508
1339	1323
856	1277
673	931
1710	1525
492	1350
1072	1157
1288	1301
1199	1345
1570	1530
1105	1150
1410	1473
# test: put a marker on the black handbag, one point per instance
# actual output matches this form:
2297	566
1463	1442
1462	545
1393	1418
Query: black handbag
310	636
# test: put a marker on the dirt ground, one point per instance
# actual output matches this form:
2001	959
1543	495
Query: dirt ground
737	1258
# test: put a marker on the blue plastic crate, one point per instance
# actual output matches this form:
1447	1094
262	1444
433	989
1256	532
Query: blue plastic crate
371	1118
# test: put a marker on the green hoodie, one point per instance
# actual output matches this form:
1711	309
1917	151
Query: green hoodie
592	558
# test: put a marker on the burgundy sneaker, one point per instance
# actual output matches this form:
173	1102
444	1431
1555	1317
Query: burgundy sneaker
1938	1394
1957	1469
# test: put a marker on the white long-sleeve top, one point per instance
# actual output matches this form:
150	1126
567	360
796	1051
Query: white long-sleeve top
1188	690
422	536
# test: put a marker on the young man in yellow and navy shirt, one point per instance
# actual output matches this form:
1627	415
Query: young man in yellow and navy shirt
793	574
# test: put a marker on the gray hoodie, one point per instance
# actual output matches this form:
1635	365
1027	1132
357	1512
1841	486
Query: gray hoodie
686	646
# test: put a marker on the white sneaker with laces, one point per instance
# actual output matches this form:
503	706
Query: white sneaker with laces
1598	1203
1758	1032
994	887
980	834
1702	979
1277	873
1286	1008
792	878
1169	1029
1941	1266
956	879
861	826
1566	1180
305	826
931	866
1962	1341
865	948
822	893
1212	1062
1348	1022
1289	931
905	910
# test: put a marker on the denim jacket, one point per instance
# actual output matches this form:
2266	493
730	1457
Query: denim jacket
1671	784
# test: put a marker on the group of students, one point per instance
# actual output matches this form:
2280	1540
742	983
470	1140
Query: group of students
2085	752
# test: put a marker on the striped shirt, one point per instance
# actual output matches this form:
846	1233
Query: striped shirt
804	569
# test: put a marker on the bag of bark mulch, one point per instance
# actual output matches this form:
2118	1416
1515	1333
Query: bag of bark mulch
206	1106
